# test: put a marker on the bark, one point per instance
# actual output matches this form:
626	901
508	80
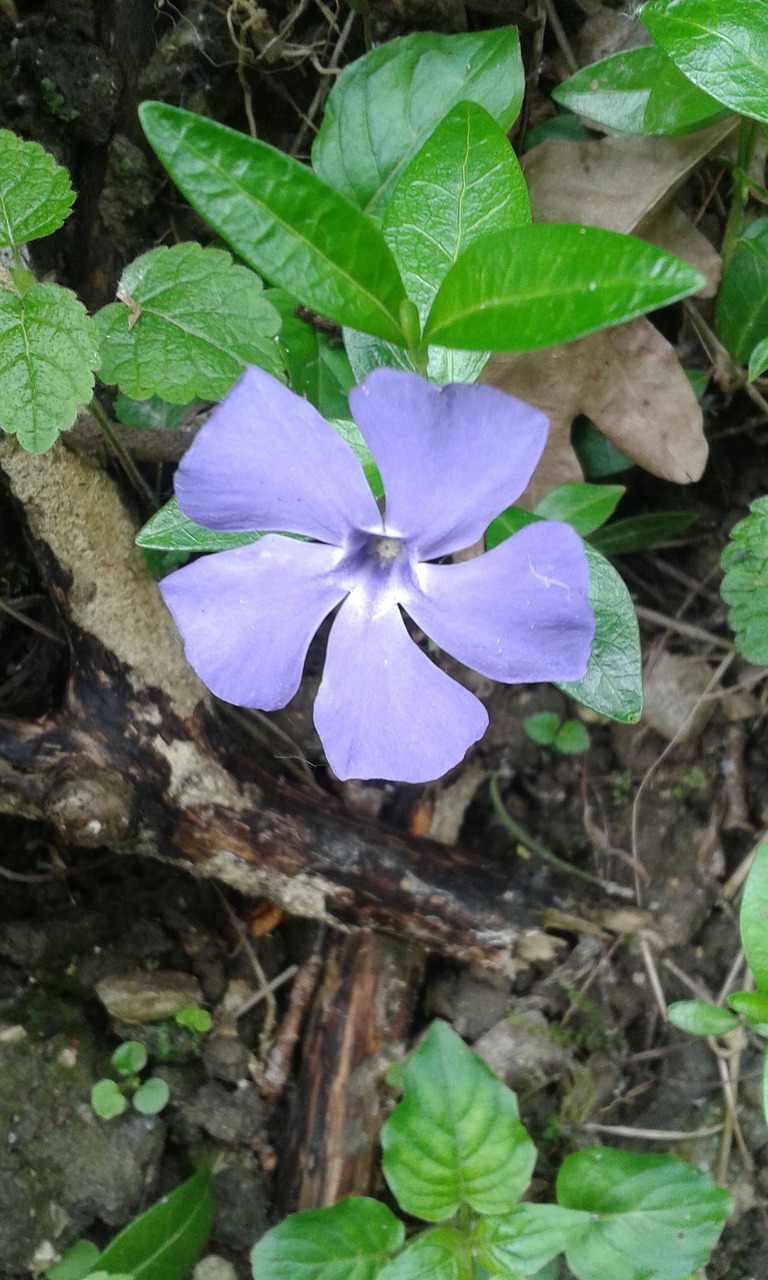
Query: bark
135	760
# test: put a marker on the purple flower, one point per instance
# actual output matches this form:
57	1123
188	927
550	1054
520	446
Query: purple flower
451	458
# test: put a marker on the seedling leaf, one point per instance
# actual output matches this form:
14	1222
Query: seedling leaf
350	1241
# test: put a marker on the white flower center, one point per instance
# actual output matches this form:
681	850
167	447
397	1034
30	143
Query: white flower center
385	549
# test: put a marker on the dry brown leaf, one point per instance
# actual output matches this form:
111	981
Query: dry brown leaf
628	381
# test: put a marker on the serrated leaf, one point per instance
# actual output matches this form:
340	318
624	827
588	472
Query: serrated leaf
440	1254
190	323
650	1217
281	220
636	532
35	192
638	91
384	106
465	181
548	283
317	369
165	1241
699	1018
721	45
745	585
584	506
170	530
742	303
47	357
350	1241
523	1241
455	1139
613	684
754	918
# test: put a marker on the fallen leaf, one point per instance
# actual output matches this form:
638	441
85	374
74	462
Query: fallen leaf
628	382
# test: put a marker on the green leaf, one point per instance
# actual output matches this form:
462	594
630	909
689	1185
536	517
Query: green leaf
444	365
765	1085
752	1005
547	283
440	1254
745	584
721	45
650	1217
165	1241
542	727
464	182
35	192
77	1263
635	532
585	506
758	360
742	303
699	1018
638	91
47	357
351	1241
613	684
523	1241
281	220
384	106
571	738
151	1096
170	530
455	1139
317	369
350	432
754	918
107	1100
189	323
509	522
129	1058
598	457
152	414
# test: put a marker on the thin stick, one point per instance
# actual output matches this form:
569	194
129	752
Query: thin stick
18	616
653	1135
687	629
123	456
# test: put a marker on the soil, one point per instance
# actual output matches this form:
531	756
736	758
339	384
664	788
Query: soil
663	814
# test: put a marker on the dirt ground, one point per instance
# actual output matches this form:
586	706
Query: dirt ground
660	816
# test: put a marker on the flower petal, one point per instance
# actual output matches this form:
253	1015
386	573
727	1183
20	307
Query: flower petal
265	459
247	616
517	613
383	709
451	457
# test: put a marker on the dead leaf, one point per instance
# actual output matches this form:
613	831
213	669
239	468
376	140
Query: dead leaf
628	382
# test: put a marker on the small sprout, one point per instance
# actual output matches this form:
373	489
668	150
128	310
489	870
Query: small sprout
151	1096
567	737
194	1019
106	1100
110	1098
129	1058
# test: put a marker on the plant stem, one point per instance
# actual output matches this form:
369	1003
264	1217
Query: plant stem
123	456
528	841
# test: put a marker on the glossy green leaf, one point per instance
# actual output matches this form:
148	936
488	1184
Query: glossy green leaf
506	524
752	1005
281	220
742	303
754	918
107	1100
77	1262
440	1254
35	192
650	1217
384	106
699	1018
613	684
549	283
444	364
47	357
524	1240
152	414
350	432
638	91
317	369
350	1241
170	530
455	1139
165	1241
635	532
584	506
758	360
151	1096
745	584
188	324
464	182
721	45
598	457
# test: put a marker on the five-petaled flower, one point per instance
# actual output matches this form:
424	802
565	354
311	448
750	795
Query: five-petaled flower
450	458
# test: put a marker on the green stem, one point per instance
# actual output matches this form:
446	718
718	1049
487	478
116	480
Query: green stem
749	132
123	456
528	841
